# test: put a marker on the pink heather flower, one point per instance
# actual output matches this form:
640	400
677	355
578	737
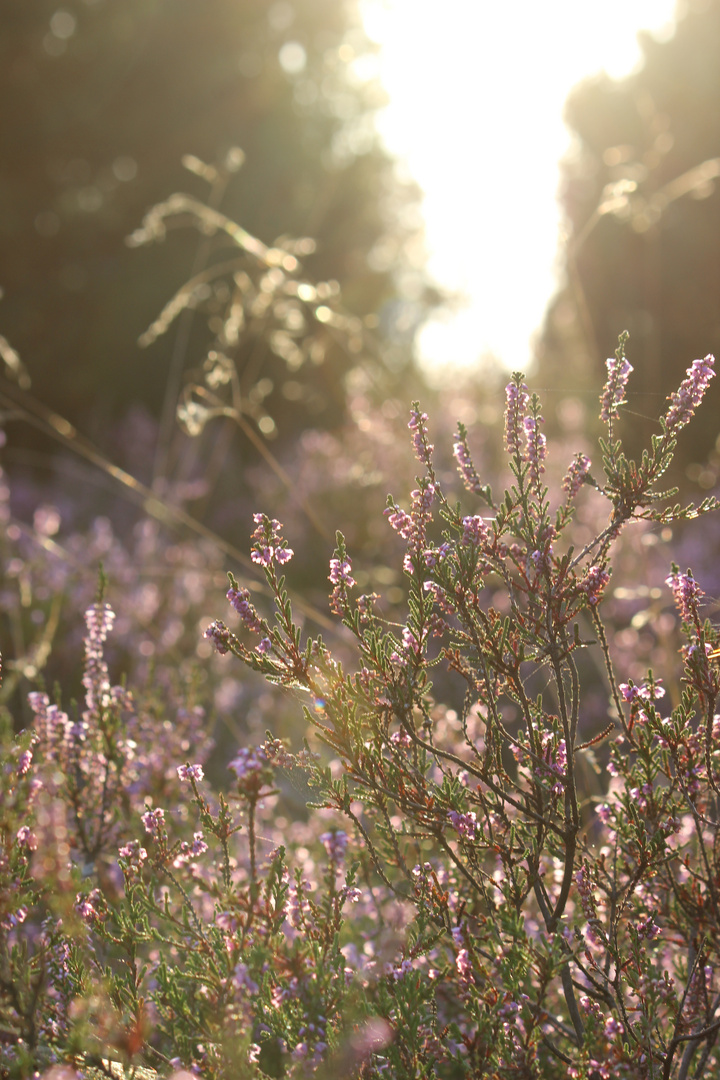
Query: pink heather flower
264	646
644	692
263	556
341	579
38	702
464	824
593	584
24	762
690	394
535	447
613	395
413	526
578	470
153	820
465	466
686	593
241	979
190	772
268	543
335	844
249	762
187	851
133	856
240	600
475	531
418	426
410	641
27	838
584	886
647	928
397	973
85	905
340	572
464	964
433	556
516	398
221	637
296	905
16	918
99	620
400	520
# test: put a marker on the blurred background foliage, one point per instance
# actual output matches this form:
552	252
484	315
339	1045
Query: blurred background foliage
642	206
100	101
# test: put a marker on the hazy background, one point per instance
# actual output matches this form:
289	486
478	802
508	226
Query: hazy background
100	100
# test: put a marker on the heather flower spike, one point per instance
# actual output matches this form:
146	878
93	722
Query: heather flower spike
340	577
421	444
466	468
268	544
613	395
517	399
691	392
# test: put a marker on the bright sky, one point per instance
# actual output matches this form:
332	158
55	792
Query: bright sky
476	92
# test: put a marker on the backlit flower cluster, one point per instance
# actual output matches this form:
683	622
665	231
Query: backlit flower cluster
267	542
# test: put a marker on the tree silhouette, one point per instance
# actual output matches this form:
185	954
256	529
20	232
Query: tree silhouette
643	218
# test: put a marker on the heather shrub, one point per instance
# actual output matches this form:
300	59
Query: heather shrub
455	862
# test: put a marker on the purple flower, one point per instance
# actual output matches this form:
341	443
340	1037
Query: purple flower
335	844
535	447
241	979
578	470
690	394
516	398
418	426
99	620
647	928
221	637
464	824
86	905
464	965
186	852
411	644
27	838
593	584
686	593
400	520
190	772
24	762
341	578
465	466
240	600
249	763
296	906
475	531
154	821
613	395
433	556
268	543
133	853
413	526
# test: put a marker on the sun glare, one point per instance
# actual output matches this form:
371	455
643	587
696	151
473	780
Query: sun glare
476	92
